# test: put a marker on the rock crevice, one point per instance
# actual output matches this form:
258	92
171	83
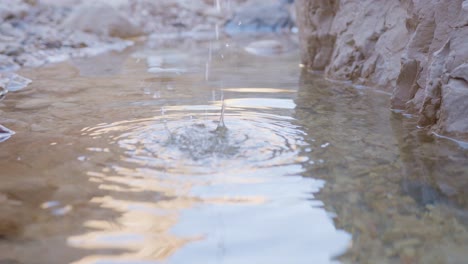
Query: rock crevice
416	49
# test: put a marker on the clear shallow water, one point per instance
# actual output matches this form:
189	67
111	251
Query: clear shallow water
123	158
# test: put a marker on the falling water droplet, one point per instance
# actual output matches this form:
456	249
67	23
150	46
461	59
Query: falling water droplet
207	71
210	52
217	31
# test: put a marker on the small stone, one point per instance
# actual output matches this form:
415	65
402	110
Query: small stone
8	228
267	47
33	103
101	19
5	133
28	60
7	64
13	50
17	82
14	8
3	91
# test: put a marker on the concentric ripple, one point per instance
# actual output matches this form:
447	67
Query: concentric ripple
195	139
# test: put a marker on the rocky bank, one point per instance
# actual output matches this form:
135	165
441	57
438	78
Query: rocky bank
417	49
37	32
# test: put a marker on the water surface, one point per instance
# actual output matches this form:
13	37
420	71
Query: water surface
200	152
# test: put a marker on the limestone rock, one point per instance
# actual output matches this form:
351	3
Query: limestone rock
453	119
415	48
461	72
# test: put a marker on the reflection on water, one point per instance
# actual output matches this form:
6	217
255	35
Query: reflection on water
398	191
235	159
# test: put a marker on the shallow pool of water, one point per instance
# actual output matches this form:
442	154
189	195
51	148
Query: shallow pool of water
201	152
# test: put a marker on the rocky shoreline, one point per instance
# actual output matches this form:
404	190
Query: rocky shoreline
34	33
37	32
415	49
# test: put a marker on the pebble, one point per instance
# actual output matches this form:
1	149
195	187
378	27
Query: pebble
9	228
33	103
267	48
7	64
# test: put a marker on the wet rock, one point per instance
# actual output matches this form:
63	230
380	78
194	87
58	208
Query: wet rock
101	19
168	16
415	48
17	82
3	91
11	82
268	47
28	60
5	133
15	8
261	16
8	228
7	64
11	34
33	33
453	116
13	50
461	72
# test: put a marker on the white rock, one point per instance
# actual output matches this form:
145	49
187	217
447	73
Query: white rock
101	19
